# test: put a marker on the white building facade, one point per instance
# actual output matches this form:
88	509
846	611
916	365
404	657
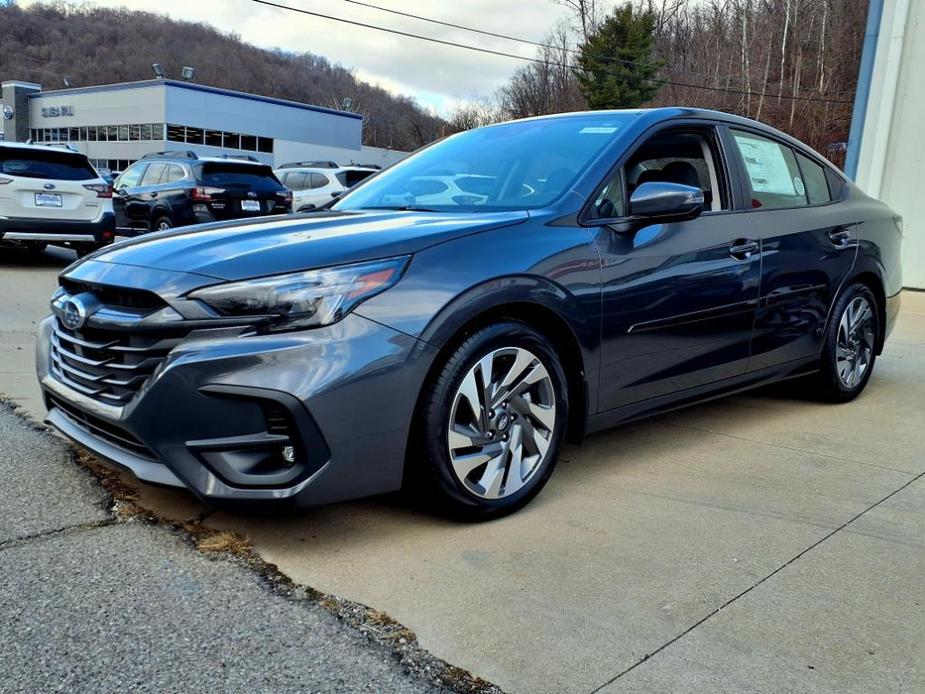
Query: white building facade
117	124
886	154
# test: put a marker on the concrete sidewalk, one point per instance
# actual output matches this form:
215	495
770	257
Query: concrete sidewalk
762	543
93	604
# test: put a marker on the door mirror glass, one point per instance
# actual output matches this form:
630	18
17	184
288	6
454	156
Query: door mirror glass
670	201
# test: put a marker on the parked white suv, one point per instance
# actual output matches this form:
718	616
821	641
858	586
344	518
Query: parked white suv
52	195
316	183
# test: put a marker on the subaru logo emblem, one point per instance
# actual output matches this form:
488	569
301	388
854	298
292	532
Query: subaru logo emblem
8	112
251	194
74	314
49	186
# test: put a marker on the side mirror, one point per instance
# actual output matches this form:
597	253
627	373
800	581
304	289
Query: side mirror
657	201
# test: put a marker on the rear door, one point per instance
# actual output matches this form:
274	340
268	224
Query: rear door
808	245
47	184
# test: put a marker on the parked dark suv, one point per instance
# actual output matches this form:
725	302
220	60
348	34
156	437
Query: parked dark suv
170	189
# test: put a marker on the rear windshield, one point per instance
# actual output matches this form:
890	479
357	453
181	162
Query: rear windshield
348	179
39	163
232	175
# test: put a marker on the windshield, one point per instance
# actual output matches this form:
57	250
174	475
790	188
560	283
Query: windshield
520	165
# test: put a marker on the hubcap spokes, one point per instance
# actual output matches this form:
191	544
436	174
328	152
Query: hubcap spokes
854	344
501	422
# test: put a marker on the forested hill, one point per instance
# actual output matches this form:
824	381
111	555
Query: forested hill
92	45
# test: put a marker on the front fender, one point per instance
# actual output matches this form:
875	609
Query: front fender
553	269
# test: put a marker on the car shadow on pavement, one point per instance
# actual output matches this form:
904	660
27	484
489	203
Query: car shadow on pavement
52	257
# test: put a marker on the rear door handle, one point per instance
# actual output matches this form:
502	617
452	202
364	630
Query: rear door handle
840	236
743	249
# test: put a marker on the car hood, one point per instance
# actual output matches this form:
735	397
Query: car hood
269	246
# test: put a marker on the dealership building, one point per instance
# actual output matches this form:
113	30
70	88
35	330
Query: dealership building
116	124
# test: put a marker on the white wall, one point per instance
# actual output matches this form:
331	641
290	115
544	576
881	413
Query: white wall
891	159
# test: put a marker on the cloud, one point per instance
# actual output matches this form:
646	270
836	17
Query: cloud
434	74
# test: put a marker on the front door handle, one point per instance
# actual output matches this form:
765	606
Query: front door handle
743	249
840	236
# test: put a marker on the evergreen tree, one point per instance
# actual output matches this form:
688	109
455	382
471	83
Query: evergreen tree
617	65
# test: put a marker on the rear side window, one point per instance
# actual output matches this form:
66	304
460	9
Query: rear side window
38	163
153	175
174	173
817	188
230	174
319	180
772	172
348	179
297	181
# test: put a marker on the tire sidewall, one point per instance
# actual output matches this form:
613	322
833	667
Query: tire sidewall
436	420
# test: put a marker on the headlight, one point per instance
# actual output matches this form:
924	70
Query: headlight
304	299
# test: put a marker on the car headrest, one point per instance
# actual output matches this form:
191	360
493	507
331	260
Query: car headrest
650	176
681	172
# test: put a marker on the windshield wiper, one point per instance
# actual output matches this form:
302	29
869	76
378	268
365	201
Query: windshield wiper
401	208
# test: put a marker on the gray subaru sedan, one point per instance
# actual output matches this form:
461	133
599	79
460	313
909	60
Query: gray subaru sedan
447	324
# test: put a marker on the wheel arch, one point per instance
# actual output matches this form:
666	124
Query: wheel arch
539	303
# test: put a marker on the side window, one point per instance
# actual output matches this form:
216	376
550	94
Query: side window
772	172
174	173
319	180
131	177
153	175
817	188
297	181
685	156
609	202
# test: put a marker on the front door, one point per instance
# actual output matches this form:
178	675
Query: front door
678	298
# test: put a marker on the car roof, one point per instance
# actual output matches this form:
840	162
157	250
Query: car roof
56	147
653	116
322	169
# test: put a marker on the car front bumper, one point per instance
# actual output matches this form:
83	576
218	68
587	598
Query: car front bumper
347	392
98	231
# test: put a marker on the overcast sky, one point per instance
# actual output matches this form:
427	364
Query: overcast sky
435	75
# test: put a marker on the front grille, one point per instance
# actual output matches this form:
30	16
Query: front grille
109	365
109	432
121	297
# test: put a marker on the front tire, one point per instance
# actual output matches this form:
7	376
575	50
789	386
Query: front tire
850	348
492	423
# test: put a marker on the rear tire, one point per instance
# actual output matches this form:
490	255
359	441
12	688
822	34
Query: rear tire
850	348
85	249
162	223
484	451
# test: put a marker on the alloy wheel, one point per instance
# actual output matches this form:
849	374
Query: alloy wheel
501	423
854	345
